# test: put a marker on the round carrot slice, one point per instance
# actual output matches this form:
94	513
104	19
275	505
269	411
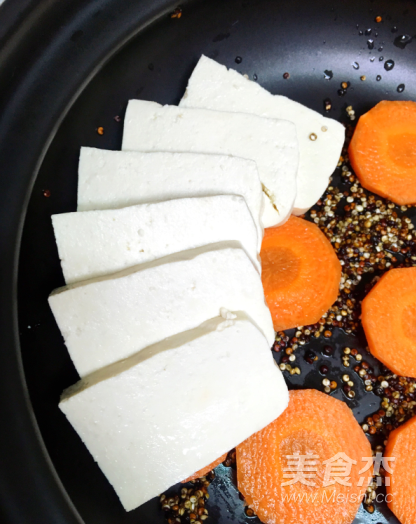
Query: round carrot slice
202	472
300	273
389	320
317	430
383	151
401	478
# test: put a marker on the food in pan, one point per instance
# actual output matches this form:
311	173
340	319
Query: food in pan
110	318
320	139
97	243
401	452
300	273
389	320
270	142
156	417
165	317
292	470
117	179
383	151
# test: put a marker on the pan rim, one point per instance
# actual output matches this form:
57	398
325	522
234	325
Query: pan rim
31	490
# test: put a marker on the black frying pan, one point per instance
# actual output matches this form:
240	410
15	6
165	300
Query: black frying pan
68	67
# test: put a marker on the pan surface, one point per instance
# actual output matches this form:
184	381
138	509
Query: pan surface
69	67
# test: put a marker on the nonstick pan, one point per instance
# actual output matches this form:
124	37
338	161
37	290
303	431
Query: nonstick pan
68	67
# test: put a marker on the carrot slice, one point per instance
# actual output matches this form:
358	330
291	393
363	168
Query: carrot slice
313	424
389	320
300	273
383	151
401	478
202	472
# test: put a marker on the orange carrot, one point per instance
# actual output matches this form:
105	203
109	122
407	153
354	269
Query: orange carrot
314	425
383	151
300	273
389	320
202	472
401	479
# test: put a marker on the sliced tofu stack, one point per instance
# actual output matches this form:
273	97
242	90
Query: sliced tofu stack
154	419
115	179
271	143
96	243
212	86
110	318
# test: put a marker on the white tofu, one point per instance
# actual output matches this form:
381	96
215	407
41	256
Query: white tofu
110	318
114	179
212	86
154	419
95	243
271	143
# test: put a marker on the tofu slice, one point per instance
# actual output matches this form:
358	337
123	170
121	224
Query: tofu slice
212	86
271	143
115	179
96	243
110	318
154	419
